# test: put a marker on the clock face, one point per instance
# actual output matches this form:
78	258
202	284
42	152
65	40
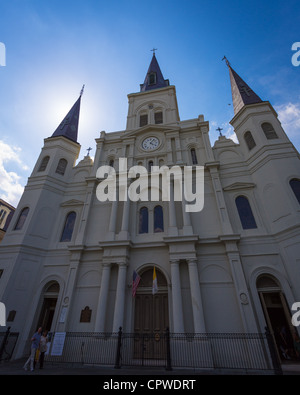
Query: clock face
150	143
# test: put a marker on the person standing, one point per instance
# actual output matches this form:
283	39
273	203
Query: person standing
35	342
43	348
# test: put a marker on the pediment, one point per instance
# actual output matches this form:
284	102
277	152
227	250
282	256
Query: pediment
72	202
150	128
239	186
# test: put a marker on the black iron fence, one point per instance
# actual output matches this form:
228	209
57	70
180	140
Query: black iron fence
169	350
8	342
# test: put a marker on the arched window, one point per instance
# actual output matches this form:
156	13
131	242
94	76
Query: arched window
158	117
61	167
150	164
152	78
143	120
68	227
245	213
194	156
269	131
44	163
22	218
143	220
295	185
111	163
249	140
158	219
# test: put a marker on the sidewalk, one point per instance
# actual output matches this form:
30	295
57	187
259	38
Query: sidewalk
16	368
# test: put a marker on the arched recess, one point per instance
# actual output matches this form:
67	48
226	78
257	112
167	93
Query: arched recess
49	298
277	315
151	314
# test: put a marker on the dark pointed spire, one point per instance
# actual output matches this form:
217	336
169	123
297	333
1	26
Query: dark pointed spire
154	78
69	126
242	94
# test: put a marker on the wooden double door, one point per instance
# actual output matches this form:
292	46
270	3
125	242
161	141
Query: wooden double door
151	321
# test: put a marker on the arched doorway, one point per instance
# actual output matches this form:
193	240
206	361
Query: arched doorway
277	315
49	300
151	315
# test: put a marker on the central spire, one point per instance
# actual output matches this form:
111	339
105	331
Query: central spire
154	78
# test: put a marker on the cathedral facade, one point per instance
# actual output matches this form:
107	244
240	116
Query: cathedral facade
67	260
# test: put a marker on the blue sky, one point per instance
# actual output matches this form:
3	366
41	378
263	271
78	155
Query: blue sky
54	47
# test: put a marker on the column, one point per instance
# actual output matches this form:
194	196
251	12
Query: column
120	297
218	190
173	231
101	313
240	285
124	234
207	145
112	221
176	298
187	225
199	324
85	213
67	299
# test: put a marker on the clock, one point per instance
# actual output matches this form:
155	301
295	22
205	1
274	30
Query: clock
150	143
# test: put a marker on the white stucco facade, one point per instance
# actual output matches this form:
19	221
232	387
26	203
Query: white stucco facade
209	261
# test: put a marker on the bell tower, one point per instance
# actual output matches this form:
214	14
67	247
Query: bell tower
255	121
156	103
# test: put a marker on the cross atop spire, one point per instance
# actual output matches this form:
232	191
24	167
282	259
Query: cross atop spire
226	60
219	130
153	50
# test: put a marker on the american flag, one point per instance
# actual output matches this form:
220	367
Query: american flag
135	282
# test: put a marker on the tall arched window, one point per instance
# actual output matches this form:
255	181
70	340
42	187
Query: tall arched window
61	167
44	163
150	164
152	78
111	163
194	156
158	219
249	140
269	131
22	218
68	227
158	117
295	185
143	220
245	213
143	119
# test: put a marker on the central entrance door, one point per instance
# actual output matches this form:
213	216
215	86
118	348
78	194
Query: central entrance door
151	317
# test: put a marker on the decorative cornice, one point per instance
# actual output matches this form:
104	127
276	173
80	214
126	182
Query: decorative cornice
239	185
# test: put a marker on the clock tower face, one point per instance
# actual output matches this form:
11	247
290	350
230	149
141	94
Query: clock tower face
150	143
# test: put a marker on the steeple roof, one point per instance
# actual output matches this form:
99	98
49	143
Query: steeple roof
69	126
154	78
242	94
